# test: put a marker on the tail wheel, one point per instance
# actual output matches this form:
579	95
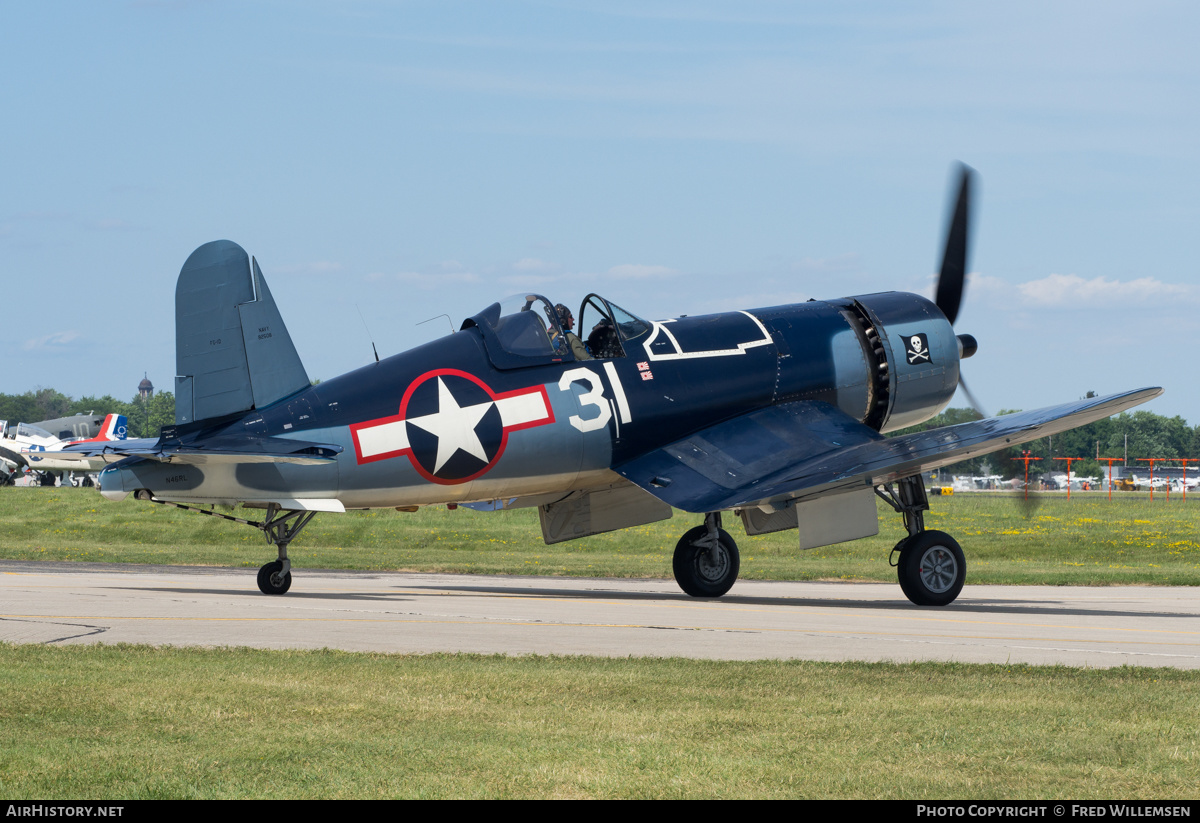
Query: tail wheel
932	568
704	570
273	580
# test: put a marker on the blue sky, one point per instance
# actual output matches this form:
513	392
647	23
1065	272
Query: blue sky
409	159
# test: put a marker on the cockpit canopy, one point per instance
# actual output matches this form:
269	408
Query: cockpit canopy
611	326
524	330
28	431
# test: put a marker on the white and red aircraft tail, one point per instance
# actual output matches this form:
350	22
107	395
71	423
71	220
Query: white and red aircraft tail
114	427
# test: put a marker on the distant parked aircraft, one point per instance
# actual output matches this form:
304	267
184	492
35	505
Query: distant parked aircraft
35	447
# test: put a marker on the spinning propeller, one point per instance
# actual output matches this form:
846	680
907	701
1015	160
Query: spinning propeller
953	278
951	285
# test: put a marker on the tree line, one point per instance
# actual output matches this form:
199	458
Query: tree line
1128	436
145	417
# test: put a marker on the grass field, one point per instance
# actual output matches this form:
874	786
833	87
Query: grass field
115	722
1086	540
134	722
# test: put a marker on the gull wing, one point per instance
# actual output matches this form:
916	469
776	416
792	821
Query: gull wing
808	449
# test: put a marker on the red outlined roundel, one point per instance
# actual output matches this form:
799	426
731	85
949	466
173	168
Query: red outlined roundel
452	426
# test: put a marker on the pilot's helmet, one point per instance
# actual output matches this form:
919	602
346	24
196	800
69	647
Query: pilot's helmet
565	318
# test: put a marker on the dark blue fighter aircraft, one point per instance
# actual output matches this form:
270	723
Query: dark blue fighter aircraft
777	415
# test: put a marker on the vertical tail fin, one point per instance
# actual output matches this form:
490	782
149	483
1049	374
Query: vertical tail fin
114	427
233	352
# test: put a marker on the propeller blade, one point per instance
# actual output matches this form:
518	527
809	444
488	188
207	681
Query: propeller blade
953	276
1029	503
962	384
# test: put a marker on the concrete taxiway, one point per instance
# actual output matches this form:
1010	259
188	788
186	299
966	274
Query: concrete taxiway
62	603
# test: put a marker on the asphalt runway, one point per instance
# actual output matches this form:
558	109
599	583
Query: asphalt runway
63	603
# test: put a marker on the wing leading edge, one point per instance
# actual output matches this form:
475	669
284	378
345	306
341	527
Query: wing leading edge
808	449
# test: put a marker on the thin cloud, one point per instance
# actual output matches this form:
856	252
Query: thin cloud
44	216
438	280
986	283
639	271
112	224
974	281
534	264
318	267
58	220
528	281
755	300
850	261
56	341
1071	289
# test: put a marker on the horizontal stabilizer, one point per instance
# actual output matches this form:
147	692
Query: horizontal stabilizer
808	449
240	449
232	349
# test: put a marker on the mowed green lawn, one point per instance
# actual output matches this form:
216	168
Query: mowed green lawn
134	722
115	722
1086	540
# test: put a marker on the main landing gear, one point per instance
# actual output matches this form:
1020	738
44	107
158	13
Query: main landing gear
280	527
706	559
931	567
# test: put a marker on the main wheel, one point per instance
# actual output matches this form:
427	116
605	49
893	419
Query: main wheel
270	581
701	572
932	568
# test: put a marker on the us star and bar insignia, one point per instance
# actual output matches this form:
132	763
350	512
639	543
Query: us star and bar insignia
451	425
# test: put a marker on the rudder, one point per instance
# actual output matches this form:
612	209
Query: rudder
233	352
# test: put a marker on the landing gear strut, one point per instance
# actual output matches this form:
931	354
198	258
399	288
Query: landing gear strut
706	559
931	567
280	527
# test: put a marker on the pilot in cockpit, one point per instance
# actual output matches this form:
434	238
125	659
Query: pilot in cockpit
567	321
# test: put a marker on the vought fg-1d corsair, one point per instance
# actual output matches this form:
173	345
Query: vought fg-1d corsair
775	414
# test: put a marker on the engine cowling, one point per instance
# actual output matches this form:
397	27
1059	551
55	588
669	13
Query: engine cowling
912	356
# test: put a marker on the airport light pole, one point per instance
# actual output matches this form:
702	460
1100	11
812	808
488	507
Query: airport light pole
1110	461
1185	461
1068	459
1152	461
1025	456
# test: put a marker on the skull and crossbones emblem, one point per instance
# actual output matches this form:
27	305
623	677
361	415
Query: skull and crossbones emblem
917	349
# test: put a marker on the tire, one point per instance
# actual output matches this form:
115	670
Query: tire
932	568
696	574
270	581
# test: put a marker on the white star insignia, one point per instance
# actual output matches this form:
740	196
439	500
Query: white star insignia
454	427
